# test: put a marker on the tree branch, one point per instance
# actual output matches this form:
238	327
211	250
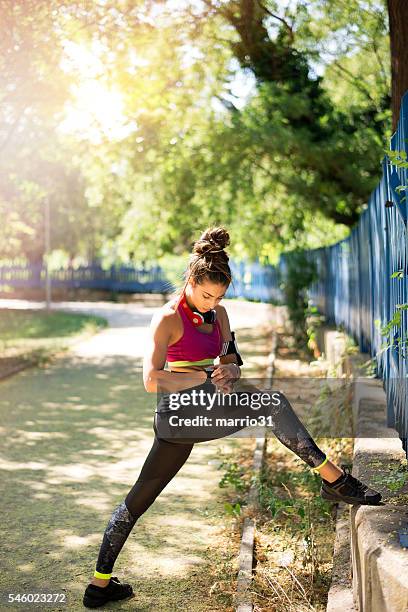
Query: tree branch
381	65
354	81
288	27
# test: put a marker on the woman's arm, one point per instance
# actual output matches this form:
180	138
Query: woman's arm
155	378
233	370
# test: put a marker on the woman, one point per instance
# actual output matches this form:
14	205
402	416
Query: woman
188	333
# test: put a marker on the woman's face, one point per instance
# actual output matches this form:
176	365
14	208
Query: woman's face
205	296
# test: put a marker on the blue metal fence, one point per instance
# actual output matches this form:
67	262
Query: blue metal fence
255	281
125	279
250	280
355	287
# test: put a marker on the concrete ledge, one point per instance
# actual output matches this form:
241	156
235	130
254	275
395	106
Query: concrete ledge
379	562
340	596
380	565
243	597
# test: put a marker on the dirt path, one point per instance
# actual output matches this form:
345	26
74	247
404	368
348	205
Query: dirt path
75	435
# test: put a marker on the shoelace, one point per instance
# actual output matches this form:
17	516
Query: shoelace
354	481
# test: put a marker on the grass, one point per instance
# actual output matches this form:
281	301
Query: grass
295	535
31	337
393	475
294	527
283	494
30	324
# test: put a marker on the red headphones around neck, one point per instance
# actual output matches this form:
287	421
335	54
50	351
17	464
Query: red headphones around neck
195	316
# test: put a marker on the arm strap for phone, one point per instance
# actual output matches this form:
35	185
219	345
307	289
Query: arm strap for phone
230	347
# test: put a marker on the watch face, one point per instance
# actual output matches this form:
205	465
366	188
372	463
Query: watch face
210	316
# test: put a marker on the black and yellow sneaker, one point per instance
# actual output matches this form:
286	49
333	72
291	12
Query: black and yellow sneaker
350	490
96	596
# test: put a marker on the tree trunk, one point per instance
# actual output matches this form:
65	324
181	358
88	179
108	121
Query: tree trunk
398	16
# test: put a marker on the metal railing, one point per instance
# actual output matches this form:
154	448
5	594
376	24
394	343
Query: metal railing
356	287
250	280
124	279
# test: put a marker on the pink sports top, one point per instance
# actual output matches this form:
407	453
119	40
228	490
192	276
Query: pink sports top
195	347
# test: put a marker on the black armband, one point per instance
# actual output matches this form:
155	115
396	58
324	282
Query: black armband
230	348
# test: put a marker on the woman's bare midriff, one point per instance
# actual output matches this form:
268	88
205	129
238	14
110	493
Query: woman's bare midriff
192	369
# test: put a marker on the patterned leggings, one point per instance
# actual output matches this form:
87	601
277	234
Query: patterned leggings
173	444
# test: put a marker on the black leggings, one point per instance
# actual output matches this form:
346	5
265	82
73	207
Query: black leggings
173	444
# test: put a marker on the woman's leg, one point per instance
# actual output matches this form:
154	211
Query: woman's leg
162	463
223	415
289	430
243	403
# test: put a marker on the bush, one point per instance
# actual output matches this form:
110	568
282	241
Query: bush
299	274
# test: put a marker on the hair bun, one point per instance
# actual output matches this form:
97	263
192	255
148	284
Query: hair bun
213	239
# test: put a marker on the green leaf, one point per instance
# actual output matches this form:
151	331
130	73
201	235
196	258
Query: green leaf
398	274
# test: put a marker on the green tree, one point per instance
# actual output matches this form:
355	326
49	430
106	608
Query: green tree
291	166
33	164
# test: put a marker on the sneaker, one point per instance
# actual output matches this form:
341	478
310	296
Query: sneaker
96	596
349	490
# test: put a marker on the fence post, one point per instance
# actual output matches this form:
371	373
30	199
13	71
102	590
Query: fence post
47	252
